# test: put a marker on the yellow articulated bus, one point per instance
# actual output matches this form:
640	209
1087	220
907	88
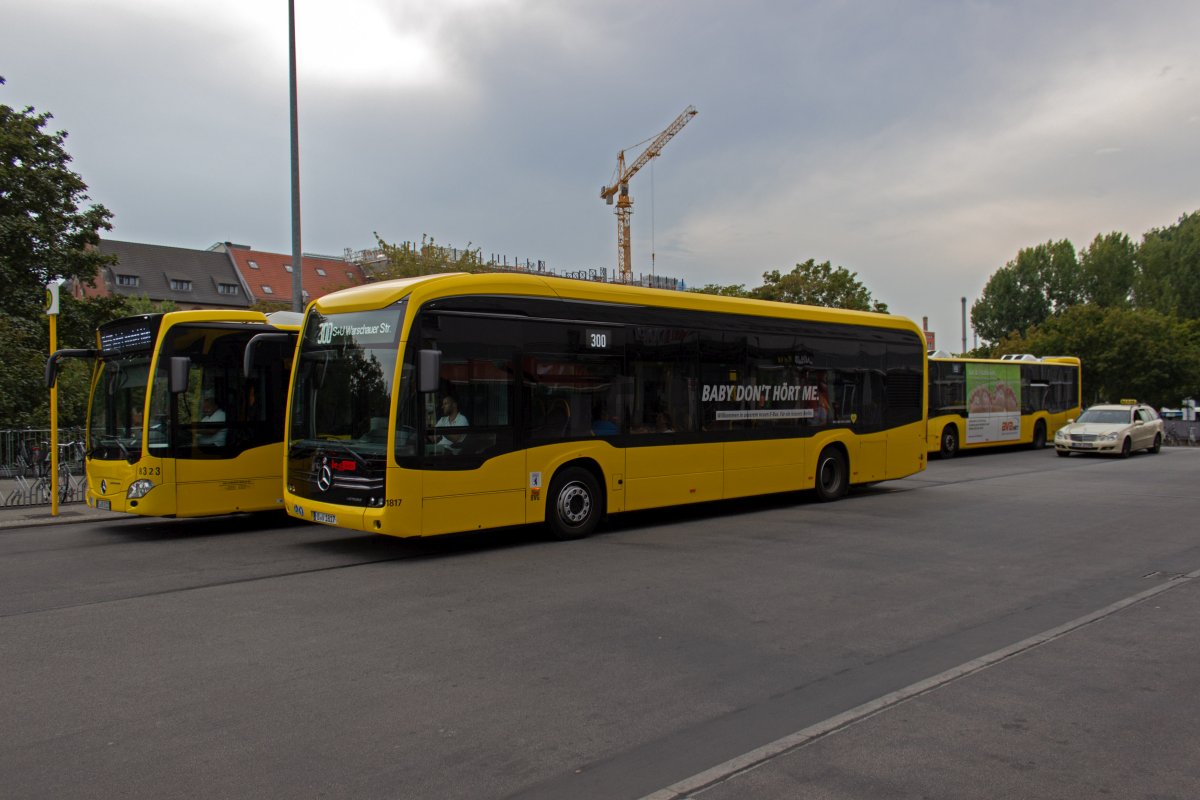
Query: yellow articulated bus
459	402
979	402
186	412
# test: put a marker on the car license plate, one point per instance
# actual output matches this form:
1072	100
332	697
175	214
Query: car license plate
321	516
1084	446
104	505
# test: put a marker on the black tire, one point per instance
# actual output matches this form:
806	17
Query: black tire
949	442
833	476
1157	443
1039	436
574	505
1126	448
1063	453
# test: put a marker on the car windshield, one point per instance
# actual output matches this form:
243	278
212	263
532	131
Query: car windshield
1106	416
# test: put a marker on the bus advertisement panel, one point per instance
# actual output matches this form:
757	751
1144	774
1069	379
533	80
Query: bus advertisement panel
993	403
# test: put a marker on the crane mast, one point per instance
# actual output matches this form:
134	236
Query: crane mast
620	188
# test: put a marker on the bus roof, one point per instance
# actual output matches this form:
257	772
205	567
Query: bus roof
1068	360
429	287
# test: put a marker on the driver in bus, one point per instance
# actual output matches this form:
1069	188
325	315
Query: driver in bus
451	418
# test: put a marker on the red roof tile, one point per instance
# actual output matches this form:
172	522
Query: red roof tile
268	279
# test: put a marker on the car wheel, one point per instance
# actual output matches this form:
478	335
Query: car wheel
1062	453
1157	443
1039	436
575	504
832	475
1126	448
949	445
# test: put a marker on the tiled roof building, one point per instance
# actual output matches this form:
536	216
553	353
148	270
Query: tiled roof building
189	278
225	275
269	275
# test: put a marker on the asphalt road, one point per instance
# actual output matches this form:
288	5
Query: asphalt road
1002	625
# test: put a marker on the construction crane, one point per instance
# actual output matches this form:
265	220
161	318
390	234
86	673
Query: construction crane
620	188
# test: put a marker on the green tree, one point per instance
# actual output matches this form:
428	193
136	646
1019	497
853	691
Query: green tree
730	290
1108	267
816	284
44	232
1024	292
1126	353
1168	260
408	260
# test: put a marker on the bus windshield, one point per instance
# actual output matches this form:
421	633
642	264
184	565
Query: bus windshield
119	395
343	385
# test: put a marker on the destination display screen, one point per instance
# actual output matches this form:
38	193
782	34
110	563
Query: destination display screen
135	334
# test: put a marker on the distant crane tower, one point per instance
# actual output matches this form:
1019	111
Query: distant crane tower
620	188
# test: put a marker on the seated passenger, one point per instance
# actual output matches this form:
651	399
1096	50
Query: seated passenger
213	413
446	442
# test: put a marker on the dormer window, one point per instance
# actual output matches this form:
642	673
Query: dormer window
180	285
128	280
227	288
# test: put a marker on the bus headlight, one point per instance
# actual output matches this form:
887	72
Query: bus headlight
139	489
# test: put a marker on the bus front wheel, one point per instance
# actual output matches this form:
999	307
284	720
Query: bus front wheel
949	448
832	475
574	504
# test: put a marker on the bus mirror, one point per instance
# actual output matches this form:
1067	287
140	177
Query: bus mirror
429	370
52	362
179	374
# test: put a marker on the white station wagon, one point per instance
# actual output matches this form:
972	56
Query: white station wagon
1112	429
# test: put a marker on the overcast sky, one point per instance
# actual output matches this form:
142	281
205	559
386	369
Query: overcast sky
919	144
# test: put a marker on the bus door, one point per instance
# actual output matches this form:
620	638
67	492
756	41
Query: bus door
473	477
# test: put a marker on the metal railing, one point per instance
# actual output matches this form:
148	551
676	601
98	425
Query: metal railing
25	467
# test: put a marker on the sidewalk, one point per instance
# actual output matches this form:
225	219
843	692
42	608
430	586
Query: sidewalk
33	516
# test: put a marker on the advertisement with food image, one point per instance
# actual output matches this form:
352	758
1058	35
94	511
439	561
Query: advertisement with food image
993	403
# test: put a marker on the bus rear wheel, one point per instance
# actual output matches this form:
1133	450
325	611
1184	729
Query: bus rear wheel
832	475
949	446
574	504
1039	436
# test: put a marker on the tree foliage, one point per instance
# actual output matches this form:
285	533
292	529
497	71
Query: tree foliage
44	231
408	260
1168	277
1126	352
809	283
1025	291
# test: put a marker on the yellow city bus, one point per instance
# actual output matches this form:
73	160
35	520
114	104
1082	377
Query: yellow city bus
186	412
459	402
980	402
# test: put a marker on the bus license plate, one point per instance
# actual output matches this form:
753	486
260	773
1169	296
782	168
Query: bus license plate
321	516
104	505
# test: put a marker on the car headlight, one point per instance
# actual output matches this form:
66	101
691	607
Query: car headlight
1061	434
1109	437
139	489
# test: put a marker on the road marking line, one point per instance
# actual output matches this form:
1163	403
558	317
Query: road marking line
754	758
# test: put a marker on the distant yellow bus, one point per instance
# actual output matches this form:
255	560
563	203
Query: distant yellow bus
979	403
186	412
459	402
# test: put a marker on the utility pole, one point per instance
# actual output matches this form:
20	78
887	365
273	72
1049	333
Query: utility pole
964	324
297	254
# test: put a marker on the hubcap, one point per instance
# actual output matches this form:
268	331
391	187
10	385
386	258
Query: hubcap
574	504
829	475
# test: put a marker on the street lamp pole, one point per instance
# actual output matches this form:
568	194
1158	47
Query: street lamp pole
297	255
